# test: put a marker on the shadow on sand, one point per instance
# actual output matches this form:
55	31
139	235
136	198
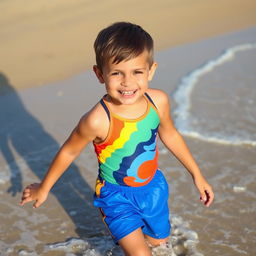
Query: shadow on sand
21	131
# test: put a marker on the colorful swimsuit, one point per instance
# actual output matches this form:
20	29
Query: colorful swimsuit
131	192
129	155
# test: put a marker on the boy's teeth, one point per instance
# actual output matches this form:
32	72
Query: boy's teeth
127	92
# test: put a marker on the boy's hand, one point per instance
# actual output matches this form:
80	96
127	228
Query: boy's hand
33	193
205	190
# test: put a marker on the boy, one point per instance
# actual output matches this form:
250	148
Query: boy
131	192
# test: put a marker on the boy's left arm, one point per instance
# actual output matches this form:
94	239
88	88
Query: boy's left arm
173	140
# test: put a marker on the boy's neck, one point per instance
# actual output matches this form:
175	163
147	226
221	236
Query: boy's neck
130	111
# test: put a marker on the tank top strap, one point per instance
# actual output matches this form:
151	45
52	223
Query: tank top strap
103	104
150	99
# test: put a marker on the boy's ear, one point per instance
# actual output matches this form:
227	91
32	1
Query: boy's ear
152	71
98	73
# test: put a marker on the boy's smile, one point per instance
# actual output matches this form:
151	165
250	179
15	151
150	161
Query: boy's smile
127	81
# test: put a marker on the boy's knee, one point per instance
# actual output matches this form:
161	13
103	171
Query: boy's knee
152	242
140	252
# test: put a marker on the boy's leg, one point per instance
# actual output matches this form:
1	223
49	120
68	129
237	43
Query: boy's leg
135	244
156	242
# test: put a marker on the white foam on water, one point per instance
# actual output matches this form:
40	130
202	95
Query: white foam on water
239	189
182	97
26	253
183	241
95	246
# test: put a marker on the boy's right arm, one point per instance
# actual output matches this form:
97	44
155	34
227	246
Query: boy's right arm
86	131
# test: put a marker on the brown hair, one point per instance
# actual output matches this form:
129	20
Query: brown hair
122	41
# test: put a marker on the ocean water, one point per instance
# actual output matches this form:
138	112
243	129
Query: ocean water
214	102
222	91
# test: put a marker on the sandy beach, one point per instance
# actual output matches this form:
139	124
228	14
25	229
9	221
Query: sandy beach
207	56
46	41
219	128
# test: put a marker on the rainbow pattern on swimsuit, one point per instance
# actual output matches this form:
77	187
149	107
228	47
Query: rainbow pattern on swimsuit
129	155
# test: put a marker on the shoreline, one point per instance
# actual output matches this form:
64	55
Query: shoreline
43	43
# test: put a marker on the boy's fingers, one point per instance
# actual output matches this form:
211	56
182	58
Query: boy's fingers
25	200
208	196
26	194
203	196
37	204
31	186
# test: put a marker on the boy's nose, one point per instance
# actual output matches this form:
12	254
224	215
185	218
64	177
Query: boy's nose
126	81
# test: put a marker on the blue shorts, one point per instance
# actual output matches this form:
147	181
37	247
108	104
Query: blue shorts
126	209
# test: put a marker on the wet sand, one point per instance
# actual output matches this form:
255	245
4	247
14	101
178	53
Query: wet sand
42	41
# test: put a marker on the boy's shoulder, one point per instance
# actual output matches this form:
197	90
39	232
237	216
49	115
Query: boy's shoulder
95	120
159	97
156	92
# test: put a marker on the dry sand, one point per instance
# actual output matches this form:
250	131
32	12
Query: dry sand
45	41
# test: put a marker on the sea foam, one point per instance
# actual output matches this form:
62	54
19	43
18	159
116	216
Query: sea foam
183	241
182	97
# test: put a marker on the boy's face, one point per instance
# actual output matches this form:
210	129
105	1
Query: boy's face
127	81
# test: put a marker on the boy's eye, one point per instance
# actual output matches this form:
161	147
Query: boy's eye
115	73
138	72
